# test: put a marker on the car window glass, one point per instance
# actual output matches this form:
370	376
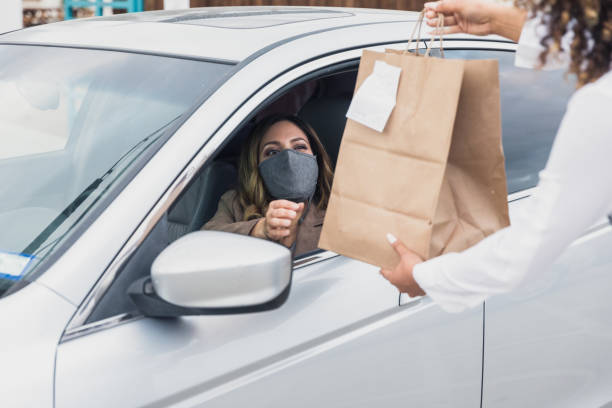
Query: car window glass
532	103
72	122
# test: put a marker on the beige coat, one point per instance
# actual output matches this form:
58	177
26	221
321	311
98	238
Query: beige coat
229	218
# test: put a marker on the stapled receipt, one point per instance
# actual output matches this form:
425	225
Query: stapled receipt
375	99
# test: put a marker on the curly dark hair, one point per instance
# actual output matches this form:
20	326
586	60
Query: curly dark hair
590	21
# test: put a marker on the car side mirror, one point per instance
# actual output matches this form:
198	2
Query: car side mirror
211	272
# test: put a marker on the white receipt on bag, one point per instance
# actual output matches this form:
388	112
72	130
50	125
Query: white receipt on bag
376	97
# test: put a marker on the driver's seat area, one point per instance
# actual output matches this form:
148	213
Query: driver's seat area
200	200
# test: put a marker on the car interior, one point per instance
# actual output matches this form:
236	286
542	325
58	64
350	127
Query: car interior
325	109
321	100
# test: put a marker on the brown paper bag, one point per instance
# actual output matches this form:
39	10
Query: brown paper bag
398	181
473	201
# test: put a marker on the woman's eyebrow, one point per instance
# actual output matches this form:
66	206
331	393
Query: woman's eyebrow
273	142
295	139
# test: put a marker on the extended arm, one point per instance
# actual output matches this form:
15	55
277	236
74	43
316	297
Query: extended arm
478	17
575	189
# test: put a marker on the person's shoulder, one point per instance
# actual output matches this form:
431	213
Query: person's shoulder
231	200
230	195
589	114
604	84
592	95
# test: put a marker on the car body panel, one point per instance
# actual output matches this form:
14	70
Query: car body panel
147	33
548	342
421	357
32	322
339	310
186	39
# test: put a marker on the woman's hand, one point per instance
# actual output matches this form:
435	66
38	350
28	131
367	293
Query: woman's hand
401	276
280	222
478	17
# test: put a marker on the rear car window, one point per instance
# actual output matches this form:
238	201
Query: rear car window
532	103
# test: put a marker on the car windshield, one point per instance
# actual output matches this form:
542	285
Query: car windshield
72	123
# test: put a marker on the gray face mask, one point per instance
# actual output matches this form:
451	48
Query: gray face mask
290	175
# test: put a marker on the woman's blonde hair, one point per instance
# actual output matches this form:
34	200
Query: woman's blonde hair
252	194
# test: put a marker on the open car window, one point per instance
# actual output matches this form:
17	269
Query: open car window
322	101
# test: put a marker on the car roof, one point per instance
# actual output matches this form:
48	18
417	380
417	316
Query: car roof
220	33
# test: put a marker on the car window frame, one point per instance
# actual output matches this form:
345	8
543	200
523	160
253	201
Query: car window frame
280	84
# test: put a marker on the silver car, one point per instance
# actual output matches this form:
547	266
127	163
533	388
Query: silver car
117	137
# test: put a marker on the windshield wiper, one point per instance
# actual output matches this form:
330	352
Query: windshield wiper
36	245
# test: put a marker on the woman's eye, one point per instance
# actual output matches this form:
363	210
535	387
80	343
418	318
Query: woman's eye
301	147
270	152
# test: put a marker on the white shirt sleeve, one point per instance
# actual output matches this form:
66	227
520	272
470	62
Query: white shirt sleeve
574	191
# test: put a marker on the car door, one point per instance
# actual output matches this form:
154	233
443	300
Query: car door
547	343
341	339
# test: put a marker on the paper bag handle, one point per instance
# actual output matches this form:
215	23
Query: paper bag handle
439	30
417	30
414	31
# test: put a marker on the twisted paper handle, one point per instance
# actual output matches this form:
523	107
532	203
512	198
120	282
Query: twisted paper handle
439	30
417	30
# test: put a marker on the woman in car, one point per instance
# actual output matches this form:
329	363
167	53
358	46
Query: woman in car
284	184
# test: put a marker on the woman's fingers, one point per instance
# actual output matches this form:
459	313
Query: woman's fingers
281	218
283	213
431	5
444	6
446	30
400	248
387	274
278	233
448	21
430	14
289	205
278	222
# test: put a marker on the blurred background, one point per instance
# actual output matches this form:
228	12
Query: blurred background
15	14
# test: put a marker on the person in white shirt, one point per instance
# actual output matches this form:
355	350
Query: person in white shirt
550	34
